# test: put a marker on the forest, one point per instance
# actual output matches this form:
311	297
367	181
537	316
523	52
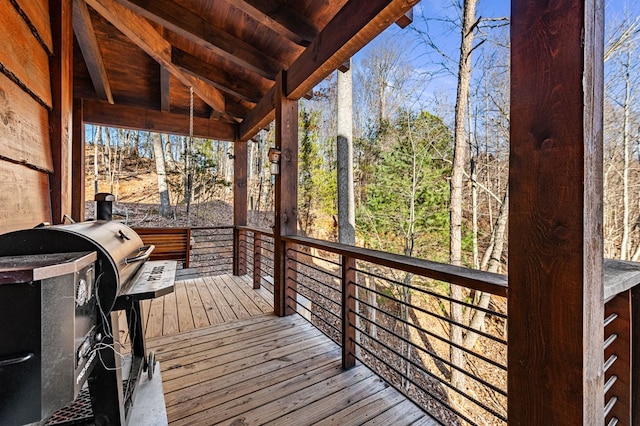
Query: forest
427	140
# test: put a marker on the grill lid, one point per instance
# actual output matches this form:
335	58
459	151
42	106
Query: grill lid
119	248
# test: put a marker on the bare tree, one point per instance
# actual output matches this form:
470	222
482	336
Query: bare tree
163	189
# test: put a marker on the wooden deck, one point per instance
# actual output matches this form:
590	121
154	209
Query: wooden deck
201	302
225	361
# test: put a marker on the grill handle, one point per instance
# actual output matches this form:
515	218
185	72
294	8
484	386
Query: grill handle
11	361
140	257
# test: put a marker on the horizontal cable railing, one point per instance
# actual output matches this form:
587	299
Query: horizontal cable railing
255	255
212	250
397	316
393	314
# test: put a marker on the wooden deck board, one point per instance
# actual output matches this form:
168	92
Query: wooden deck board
170	315
226	359
238	309
156	318
198	312
247	302
213	313
185	317
221	302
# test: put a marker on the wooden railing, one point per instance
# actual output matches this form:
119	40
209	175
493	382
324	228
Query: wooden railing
392	313
211	252
622	343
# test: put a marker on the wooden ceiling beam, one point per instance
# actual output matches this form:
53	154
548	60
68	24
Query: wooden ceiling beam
145	36
198	30
165	89
156	121
215	76
280	18
259	117
83	29
406	19
355	25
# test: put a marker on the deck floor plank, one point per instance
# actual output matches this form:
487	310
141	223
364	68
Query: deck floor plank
238	309
225	309
229	389
198	312
250	367
247	302
213	313
156	318
185	317
402	414
170	324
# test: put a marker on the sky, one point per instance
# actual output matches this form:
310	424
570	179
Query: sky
432	16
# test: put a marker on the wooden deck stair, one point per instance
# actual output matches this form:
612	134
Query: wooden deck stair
224	361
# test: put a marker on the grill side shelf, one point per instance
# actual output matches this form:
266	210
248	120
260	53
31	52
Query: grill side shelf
154	279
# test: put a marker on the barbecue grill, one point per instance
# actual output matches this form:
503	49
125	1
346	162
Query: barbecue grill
123	277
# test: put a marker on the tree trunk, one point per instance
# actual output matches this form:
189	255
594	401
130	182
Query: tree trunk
626	229
459	162
163	189
346	209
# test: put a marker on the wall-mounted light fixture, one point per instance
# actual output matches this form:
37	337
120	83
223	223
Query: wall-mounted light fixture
274	159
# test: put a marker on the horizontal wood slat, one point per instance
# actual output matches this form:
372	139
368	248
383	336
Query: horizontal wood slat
24	197
170	243
30	70
24	127
37	12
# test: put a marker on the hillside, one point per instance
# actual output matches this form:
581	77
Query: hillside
136	189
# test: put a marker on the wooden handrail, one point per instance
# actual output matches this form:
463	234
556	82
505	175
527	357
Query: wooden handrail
471	278
263	231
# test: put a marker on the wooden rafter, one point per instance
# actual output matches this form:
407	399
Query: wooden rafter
280	18
157	121
88	43
357	23
215	76
198	30
406	19
145	36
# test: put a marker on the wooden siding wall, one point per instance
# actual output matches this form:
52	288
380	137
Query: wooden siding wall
27	105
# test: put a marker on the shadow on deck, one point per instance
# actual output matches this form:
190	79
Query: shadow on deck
225	360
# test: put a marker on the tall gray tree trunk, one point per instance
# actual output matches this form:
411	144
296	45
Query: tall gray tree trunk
457	173
346	210
163	189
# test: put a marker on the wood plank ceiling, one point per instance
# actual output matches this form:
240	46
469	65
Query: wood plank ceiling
136	60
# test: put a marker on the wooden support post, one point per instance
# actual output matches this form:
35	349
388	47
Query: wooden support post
257	259
555	301
286	191
60	116
77	166
621	349
239	205
348	312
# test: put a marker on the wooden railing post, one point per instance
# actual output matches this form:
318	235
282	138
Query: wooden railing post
257	258
239	258
290	277
348	312
618	337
